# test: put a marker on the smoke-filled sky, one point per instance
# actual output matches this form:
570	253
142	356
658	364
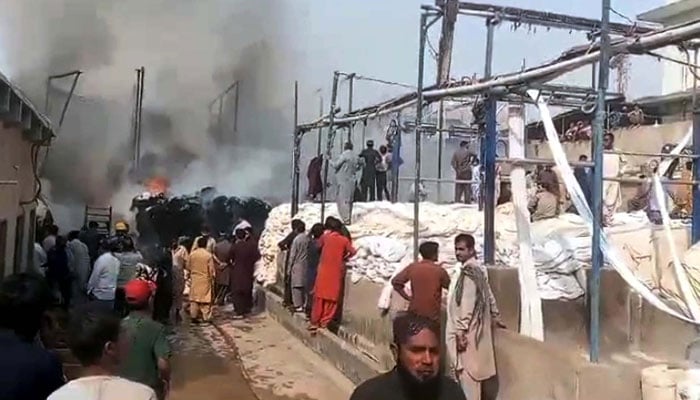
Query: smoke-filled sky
193	49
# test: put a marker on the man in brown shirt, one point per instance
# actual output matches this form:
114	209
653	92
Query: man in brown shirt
427	280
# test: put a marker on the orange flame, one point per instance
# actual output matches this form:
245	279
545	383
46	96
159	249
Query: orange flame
157	185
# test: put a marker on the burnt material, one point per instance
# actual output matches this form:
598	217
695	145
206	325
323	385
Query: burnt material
161	220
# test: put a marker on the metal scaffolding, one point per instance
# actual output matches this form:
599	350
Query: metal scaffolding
511	88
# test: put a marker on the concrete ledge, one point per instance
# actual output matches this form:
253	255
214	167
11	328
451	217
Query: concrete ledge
357	365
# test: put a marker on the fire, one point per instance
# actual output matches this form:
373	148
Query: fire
157	185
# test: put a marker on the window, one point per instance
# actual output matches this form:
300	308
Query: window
30	241
19	241
3	245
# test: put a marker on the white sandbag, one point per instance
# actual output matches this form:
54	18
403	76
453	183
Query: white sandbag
387	249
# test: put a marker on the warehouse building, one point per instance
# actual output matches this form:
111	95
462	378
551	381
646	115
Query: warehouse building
23	133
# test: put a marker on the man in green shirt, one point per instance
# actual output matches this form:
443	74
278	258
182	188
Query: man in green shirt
148	358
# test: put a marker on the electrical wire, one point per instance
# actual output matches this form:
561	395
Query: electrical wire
384	82
619	14
691	67
433	52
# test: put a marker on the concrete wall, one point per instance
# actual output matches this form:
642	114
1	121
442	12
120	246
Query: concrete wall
644	139
633	335
17	186
527	369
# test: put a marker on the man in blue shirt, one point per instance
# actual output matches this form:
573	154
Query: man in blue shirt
27	371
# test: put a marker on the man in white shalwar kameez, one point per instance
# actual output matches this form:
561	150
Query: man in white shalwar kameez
471	314
612	168
346	167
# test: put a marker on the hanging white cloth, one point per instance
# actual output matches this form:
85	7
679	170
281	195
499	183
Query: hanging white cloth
584	211
531	322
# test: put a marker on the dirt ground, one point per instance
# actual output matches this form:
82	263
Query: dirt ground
250	360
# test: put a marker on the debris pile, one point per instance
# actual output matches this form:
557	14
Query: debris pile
162	220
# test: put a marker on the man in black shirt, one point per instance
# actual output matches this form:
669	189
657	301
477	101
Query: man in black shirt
372	159
417	374
27	371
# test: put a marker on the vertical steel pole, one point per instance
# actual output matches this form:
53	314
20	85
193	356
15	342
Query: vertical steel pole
598	133
351	78
219	119
46	98
296	152
418	132
489	159
696	150
395	158
235	107
138	143
320	130
329	144
441	127
364	131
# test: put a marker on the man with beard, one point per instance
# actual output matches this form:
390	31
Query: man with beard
417	374
242	257
471	312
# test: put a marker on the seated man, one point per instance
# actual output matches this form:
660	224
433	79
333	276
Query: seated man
544	204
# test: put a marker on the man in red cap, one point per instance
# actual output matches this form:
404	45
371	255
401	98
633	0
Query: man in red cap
148	358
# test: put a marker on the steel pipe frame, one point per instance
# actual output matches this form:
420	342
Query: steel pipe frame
666	155
296	153
488	154
597	259
329	144
667	182
546	72
425	24
438	180
539	161
76	74
545	19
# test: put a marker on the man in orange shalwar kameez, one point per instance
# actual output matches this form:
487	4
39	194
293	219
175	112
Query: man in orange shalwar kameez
335	249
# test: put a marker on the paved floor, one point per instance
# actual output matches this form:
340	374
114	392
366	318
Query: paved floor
270	364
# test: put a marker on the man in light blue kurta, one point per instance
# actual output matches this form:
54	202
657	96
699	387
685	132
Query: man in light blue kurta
346	167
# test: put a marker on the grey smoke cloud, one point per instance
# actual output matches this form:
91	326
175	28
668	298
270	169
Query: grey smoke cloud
191	51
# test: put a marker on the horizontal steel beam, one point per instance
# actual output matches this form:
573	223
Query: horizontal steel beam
540	161
668	155
545	19
445	180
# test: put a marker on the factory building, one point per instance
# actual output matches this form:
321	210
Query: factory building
23	132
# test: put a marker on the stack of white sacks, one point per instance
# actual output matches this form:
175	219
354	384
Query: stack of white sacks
382	233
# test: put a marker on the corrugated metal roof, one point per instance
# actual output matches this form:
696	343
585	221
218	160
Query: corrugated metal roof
16	107
663	14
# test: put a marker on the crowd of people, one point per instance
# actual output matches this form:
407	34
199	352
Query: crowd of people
113	292
314	285
359	177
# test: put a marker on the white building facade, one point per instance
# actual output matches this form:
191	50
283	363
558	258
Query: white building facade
676	77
